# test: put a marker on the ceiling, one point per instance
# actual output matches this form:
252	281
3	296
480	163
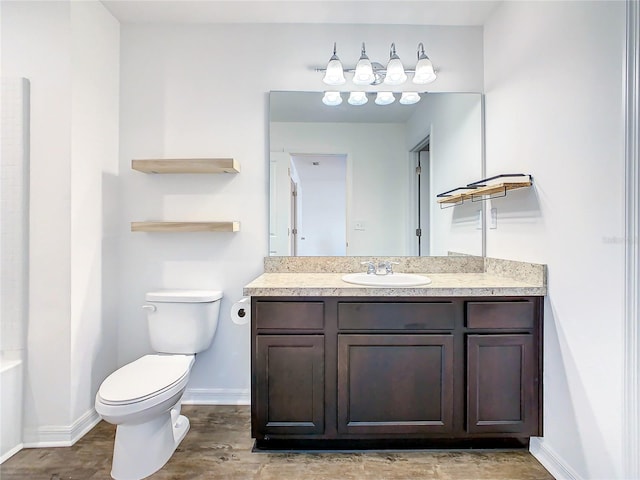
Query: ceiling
390	12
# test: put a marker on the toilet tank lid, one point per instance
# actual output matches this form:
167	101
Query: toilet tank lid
184	296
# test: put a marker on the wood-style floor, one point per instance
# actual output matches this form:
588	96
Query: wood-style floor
219	445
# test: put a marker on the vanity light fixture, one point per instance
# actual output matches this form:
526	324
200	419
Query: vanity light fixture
357	98
332	98
385	98
367	72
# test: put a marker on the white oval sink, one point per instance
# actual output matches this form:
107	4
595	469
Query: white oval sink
390	280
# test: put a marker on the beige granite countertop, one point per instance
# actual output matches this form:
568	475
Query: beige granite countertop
459	284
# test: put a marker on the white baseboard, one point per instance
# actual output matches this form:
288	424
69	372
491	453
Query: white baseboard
61	436
551	460
65	436
217	396
11	453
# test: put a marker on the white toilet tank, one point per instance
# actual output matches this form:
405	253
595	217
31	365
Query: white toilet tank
182	321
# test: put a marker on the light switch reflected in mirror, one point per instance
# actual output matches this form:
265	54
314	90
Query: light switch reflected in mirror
344	179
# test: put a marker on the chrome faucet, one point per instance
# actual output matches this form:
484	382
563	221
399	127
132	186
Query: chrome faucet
383	268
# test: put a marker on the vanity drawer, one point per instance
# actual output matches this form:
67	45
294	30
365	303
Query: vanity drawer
286	315
500	314
396	316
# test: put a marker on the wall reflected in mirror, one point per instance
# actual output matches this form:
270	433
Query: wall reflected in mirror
362	180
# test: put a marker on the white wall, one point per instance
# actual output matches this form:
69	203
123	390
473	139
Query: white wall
177	101
554	109
14	217
73	132
14	257
35	45
95	52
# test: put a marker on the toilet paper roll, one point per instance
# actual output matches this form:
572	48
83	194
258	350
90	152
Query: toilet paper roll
241	311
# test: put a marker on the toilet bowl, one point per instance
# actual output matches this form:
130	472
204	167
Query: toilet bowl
141	388
143	398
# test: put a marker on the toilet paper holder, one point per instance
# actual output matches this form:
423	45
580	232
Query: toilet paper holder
241	311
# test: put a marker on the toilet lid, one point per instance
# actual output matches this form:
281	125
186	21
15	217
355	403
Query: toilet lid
144	378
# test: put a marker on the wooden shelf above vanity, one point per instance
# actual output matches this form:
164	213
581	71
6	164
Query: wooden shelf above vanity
187	165
232	226
485	188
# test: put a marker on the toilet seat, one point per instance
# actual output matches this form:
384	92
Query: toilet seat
145	378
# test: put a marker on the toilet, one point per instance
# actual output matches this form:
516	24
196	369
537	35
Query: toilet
143	397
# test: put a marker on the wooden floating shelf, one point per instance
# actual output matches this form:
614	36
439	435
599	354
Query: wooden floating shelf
185	226
480	191
484	189
187	165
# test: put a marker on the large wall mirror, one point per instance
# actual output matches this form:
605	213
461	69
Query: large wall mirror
362	180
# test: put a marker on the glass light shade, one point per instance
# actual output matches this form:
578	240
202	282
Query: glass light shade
409	98
424	71
357	98
334	75
385	98
395	72
364	72
332	98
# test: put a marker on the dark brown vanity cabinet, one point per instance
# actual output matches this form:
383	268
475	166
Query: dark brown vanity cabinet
381	369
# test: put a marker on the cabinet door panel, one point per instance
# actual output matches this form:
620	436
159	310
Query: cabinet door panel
290	384
501	384
395	384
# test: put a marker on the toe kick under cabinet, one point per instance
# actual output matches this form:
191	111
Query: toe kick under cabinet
353	372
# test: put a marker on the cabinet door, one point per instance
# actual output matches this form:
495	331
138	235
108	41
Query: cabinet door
289	373
395	384
502	384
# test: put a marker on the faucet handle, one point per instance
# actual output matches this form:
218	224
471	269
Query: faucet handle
388	265
371	267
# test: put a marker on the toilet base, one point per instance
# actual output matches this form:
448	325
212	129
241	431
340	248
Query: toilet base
142	449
